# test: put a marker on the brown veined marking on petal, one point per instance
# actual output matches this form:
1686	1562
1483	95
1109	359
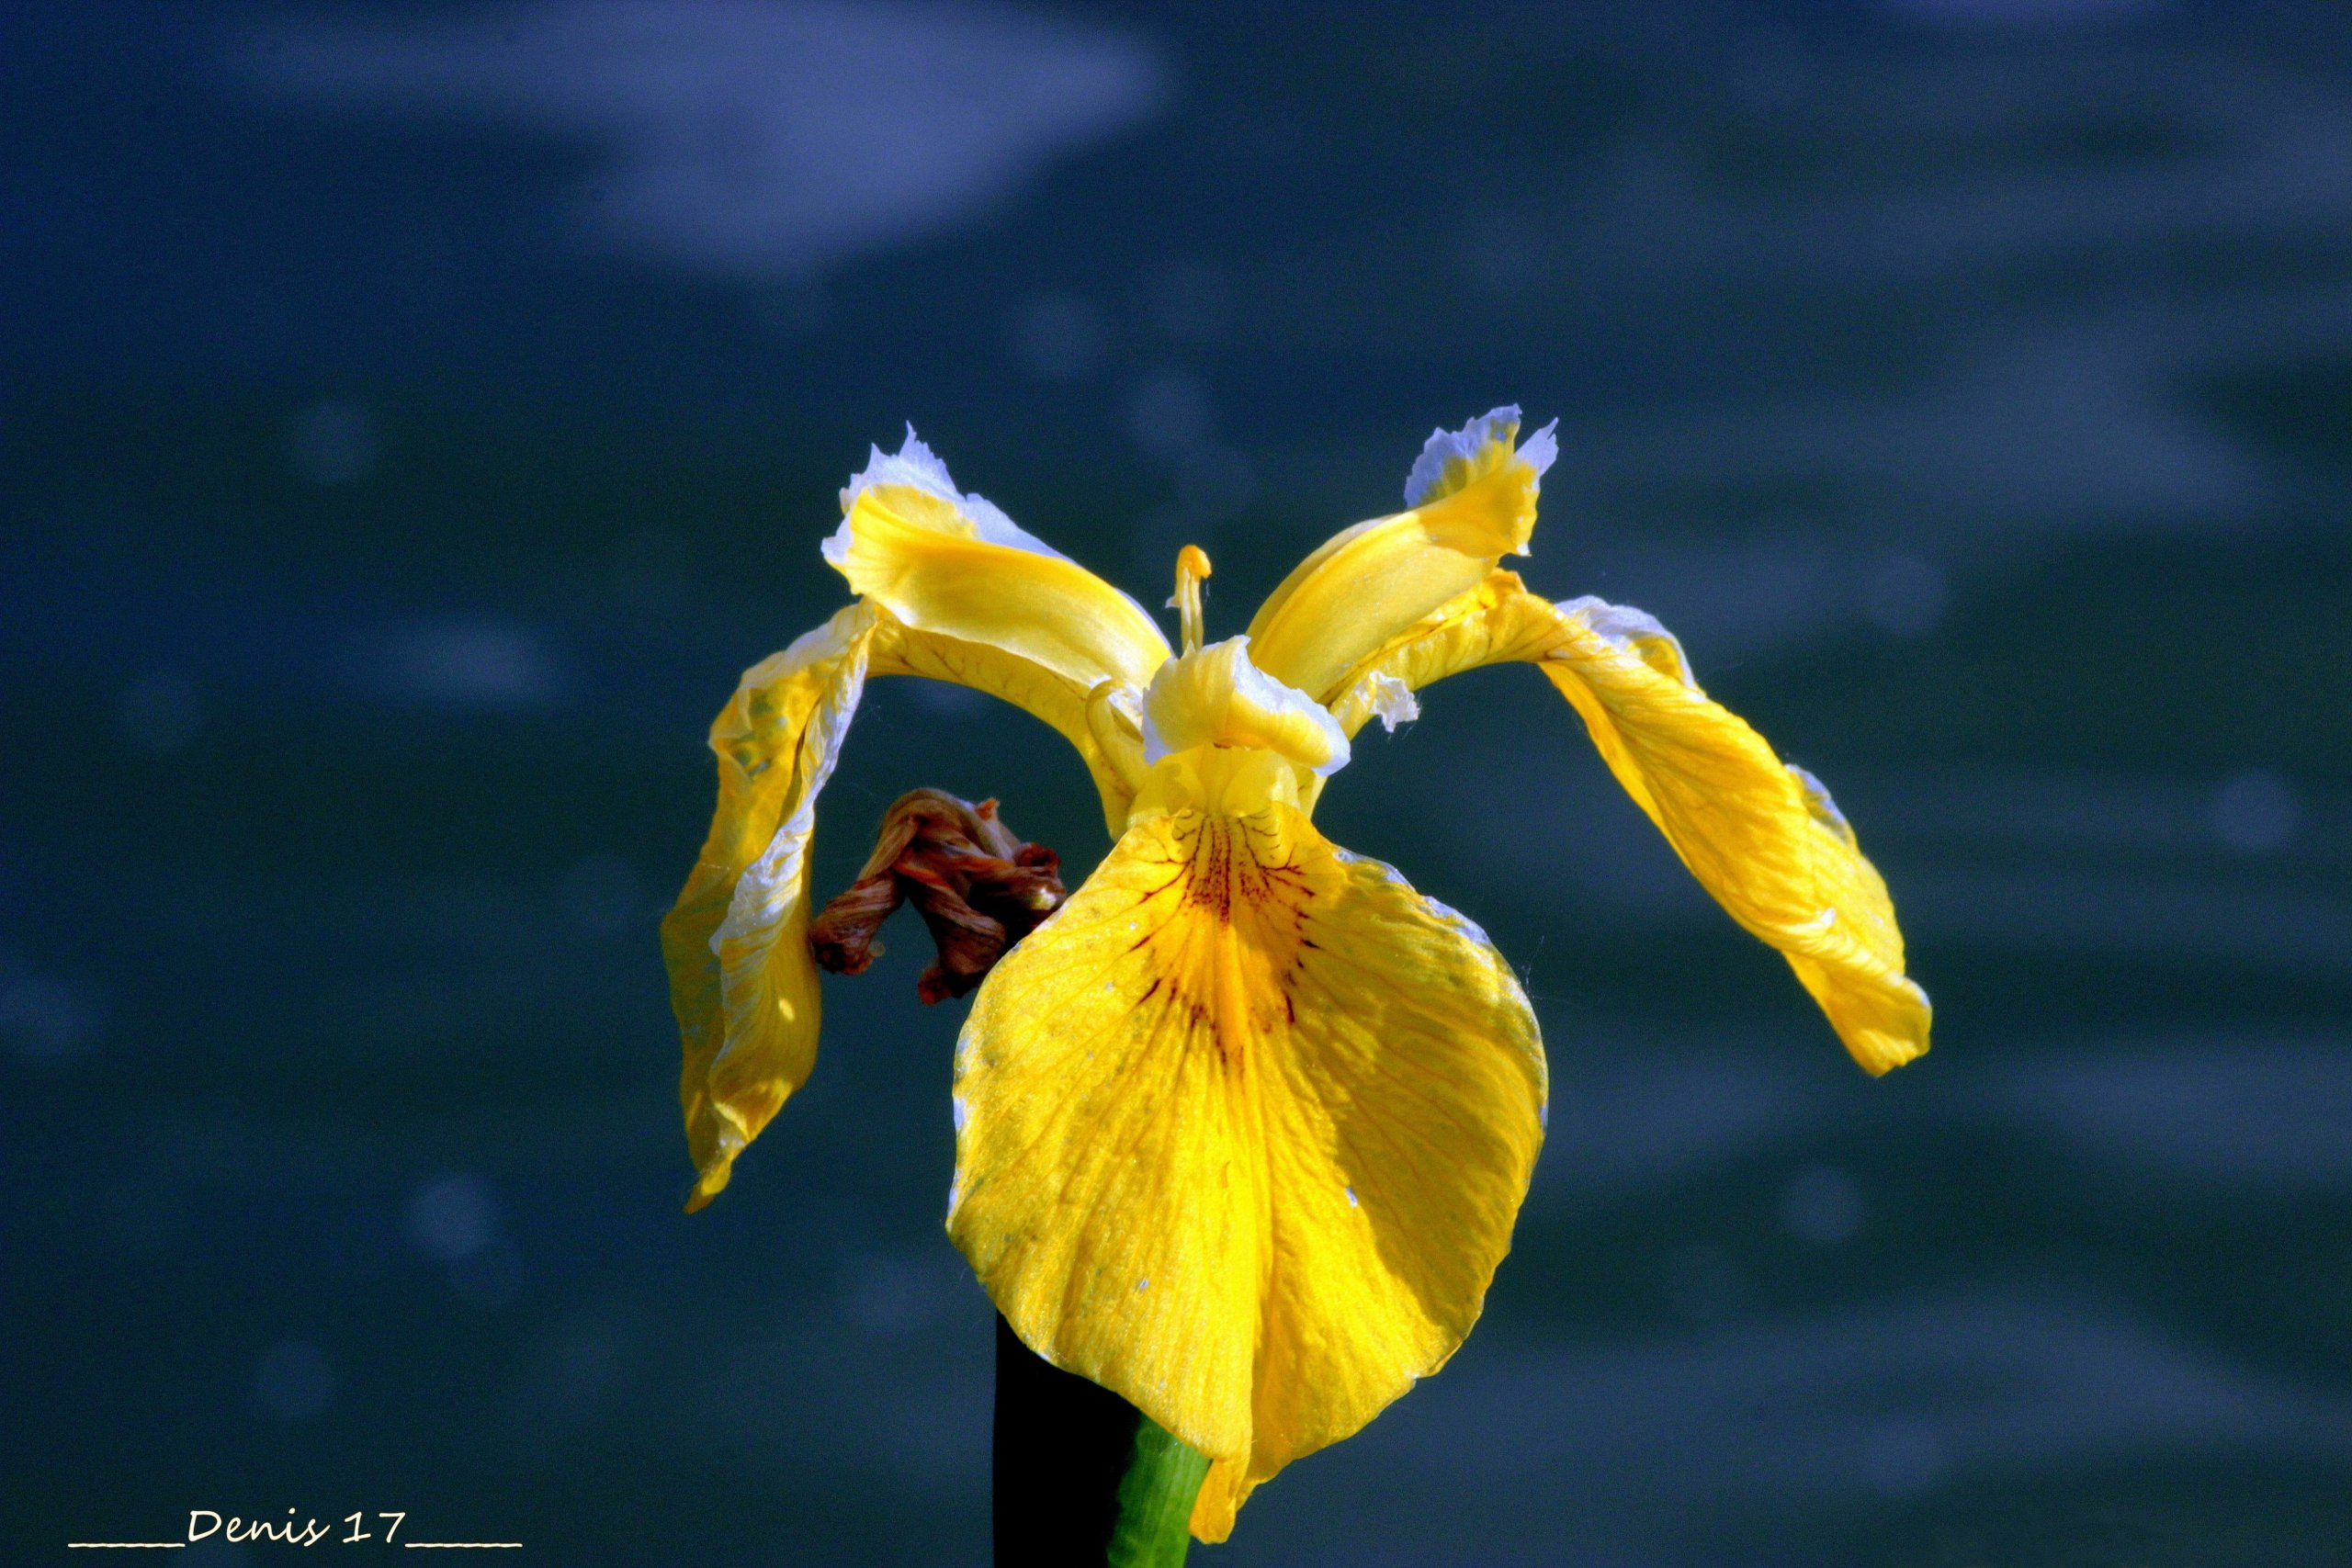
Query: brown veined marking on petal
1202	938
1200	962
1232	875
1205	964
1174	883
1165	1058
1209	869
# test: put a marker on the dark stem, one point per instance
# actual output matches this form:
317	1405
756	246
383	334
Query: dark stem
1082	1479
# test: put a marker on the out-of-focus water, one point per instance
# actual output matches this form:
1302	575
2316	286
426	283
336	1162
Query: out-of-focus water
415	416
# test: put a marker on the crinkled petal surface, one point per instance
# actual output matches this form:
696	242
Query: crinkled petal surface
1473	498
1763	838
741	982
1242	1133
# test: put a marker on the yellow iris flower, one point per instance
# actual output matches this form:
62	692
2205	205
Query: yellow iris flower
1242	1129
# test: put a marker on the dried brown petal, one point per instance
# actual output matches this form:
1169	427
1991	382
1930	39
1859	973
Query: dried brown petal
977	888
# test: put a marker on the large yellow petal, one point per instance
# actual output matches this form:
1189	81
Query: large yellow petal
1473	498
955	565
1242	1131
1763	838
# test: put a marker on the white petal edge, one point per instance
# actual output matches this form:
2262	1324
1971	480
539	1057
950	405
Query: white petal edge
1625	628
1392	701
1538	452
917	467
1823	809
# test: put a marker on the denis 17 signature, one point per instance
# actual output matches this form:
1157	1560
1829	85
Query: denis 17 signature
205	1524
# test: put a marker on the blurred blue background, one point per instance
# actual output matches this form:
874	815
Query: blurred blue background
413	418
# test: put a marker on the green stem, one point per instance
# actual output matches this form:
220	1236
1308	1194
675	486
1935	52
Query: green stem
1083	1479
1155	1527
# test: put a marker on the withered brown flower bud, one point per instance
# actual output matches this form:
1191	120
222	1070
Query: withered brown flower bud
977	886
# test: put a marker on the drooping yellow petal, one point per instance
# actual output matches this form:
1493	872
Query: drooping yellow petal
955	565
741	982
1763	838
1223	1491
1473	499
1243	1129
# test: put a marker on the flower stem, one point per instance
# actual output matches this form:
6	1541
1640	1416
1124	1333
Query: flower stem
1083	1478
1164	1473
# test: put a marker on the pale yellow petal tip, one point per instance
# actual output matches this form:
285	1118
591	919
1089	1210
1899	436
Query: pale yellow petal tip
1880	1050
711	1183
1453	460
915	485
716	1133
714	1165
1222	1491
1475	489
950	563
1881	1055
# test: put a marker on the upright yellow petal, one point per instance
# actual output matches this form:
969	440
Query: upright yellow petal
1763	838
1243	1129
741	982
955	565
1473	498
